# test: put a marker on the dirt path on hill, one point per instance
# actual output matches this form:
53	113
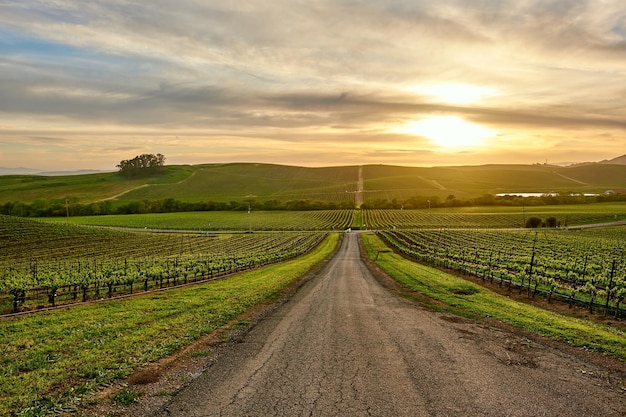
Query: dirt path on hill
358	196
344	345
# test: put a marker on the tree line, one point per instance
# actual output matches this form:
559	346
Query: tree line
72	207
144	165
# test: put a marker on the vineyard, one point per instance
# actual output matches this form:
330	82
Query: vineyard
375	219
53	263
46	265
488	218
576	266
224	220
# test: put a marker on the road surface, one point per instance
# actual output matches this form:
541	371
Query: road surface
346	346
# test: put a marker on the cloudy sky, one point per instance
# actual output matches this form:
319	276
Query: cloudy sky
87	83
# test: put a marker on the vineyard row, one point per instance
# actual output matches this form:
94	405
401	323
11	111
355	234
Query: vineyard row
44	283
586	269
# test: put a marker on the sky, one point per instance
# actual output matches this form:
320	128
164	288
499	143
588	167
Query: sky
85	84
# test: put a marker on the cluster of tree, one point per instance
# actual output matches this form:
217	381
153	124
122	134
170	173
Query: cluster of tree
170	205
534	222
144	165
71	207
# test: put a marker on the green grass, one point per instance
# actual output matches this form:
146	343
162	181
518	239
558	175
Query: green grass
85	188
51	358
466	298
263	182
474	181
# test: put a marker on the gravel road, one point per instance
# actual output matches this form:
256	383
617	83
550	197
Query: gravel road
344	345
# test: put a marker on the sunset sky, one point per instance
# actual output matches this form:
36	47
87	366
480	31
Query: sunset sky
85	84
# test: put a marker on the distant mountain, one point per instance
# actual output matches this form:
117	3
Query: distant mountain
620	160
32	171
64	173
18	171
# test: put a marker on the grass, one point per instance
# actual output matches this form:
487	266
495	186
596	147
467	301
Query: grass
85	188
238	182
262	182
468	299
126	397
52	358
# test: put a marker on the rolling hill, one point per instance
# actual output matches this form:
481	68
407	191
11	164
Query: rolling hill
263	182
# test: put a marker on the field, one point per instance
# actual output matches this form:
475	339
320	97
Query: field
52	263
494	217
223	220
585	267
379	219
44	265
52	358
265	182
211	182
49	262
382	181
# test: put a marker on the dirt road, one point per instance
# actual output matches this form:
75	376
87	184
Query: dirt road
346	346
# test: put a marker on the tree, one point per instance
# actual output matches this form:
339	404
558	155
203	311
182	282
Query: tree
142	165
533	222
551	222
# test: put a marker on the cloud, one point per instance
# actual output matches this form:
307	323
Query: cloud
272	74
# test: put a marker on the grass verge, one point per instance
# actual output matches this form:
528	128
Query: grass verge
468	299
51	359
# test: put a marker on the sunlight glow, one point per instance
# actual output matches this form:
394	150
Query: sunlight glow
448	131
455	93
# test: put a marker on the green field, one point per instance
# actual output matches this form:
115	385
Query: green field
43	364
494	216
265	182
454	217
222	220
43	265
585	266
211	182
52	358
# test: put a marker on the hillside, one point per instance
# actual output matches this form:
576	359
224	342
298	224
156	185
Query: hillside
262	182
620	160
390	182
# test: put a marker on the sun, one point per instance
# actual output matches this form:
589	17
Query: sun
448	131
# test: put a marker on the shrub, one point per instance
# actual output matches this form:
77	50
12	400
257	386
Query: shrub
533	222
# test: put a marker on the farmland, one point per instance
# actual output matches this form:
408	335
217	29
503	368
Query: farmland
49	262
223	220
259	183
493	217
53	358
377	219
582	266
46	264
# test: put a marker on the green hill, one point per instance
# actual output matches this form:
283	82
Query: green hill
262	182
239	182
